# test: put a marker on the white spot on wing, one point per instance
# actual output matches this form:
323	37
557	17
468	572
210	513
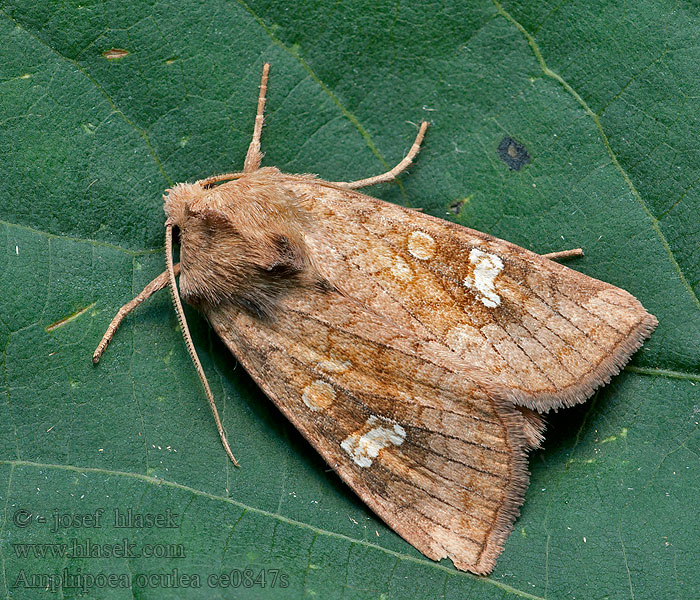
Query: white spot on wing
334	365
486	269
401	269
421	245
363	447
318	395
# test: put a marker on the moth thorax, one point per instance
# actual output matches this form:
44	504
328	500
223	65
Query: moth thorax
240	243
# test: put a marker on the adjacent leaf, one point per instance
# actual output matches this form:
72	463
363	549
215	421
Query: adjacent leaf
103	105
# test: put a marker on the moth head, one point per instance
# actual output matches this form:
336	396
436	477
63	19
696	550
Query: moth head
241	242
177	198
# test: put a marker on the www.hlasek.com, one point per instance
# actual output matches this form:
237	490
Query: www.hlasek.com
86	548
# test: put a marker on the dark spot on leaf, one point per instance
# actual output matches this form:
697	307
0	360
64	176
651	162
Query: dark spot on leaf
115	53
456	207
513	153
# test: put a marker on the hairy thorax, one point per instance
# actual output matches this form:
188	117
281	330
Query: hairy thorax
241	242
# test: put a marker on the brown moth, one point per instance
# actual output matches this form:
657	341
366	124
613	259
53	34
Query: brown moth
414	354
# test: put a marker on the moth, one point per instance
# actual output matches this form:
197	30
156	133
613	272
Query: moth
417	356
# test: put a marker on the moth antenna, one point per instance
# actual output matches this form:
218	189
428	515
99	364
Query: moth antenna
188	338
217	178
157	284
253	158
389	175
564	254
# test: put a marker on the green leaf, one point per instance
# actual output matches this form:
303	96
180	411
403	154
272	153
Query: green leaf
603	97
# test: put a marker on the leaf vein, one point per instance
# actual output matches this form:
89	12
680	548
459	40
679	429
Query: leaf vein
596	119
280	518
140	130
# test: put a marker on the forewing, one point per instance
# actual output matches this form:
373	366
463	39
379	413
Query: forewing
432	450
549	334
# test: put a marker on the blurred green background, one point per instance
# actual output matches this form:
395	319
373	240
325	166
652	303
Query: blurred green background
604	96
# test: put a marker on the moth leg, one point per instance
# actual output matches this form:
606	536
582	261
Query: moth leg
157	284
564	254
254	156
389	175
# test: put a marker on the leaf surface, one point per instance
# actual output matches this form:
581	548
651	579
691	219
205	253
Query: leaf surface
604	99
